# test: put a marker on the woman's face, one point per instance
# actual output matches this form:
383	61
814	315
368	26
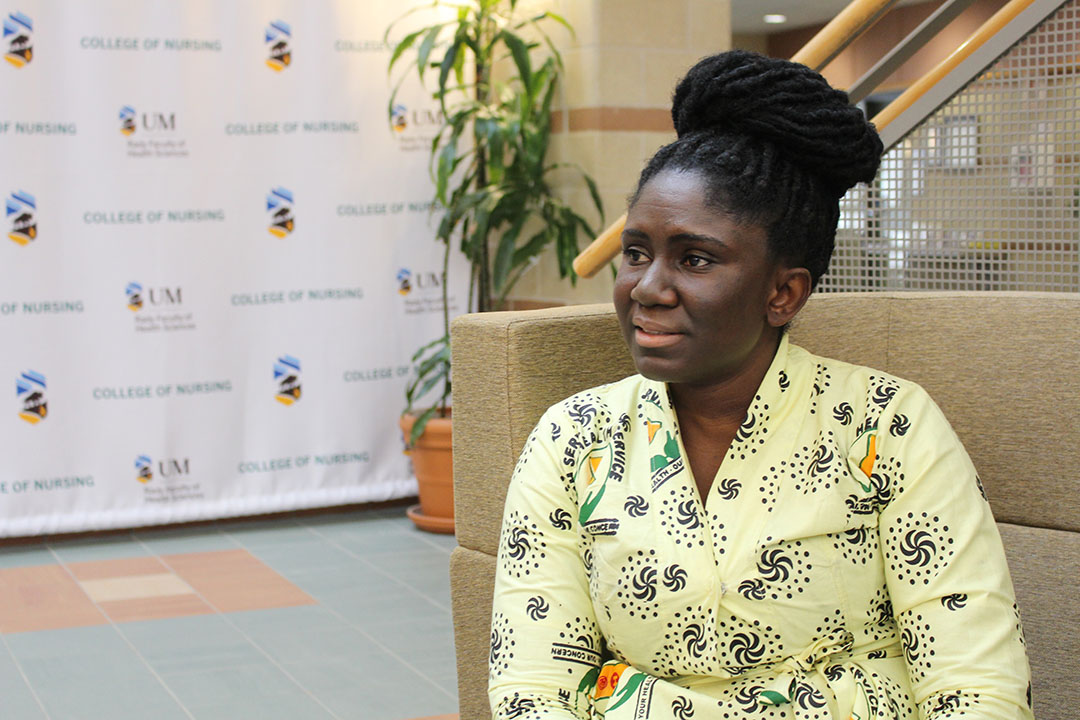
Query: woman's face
694	285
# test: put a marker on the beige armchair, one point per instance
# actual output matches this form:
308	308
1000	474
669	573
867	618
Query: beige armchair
1004	367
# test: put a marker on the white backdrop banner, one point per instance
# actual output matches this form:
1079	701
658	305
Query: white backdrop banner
216	260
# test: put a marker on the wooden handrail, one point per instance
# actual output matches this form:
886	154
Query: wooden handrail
829	42
841	31
979	38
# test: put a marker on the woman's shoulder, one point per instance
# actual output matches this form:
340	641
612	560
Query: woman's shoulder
609	399
844	390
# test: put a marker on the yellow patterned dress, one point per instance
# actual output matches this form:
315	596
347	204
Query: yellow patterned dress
845	563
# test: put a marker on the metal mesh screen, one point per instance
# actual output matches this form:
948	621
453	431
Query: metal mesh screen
985	193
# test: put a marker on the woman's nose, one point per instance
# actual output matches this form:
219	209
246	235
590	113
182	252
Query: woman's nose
654	287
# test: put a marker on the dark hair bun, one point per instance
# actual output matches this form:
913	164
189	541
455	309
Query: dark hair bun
785	104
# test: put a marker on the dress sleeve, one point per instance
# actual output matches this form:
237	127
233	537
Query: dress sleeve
945	570
545	642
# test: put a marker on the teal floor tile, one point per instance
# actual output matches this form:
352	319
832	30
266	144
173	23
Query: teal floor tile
98	548
368	539
206	642
247	691
269	533
91	673
172	541
426	571
306	556
13	556
365	604
302	634
391	690
16	699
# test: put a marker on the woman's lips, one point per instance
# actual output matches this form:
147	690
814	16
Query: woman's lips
655	338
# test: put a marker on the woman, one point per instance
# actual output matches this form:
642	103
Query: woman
745	530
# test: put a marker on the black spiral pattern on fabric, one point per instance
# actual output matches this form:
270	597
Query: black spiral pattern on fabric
518	543
946	703
694	637
687	515
774	565
822	461
674	578
910	642
556	431
746	429
747	697
682	708
883	394
918	548
537	609
777	146
728	488
784	382
560	519
856	536
645	584
808	696
752	589
954	602
518	706
900	425
583	413
747	648
496	647
843	413
636	506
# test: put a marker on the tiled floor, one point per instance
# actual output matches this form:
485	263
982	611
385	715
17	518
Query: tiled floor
342	615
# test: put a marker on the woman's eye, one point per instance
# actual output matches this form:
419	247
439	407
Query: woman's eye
633	254
696	261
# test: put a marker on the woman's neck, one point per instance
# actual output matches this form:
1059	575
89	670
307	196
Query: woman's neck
710	415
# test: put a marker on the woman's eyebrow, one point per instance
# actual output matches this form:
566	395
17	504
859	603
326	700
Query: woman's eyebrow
634	232
696	237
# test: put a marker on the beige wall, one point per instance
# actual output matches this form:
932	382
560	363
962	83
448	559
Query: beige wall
621	69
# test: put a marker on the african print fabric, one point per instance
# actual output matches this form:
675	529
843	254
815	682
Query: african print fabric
844	564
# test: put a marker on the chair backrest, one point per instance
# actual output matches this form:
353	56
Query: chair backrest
1004	367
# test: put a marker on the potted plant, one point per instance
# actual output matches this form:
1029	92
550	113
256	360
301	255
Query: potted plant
493	185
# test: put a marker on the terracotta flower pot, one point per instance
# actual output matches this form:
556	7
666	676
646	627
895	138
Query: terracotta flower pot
432	461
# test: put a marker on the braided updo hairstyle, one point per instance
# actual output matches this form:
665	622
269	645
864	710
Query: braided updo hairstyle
777	146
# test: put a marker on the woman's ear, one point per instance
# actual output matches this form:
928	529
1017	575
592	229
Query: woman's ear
791	288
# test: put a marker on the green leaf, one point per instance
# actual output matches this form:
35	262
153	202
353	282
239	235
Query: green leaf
433	343
447	64
401	47
557	18
447	164
595	193
504	256
520	52
533	247
425	48
420	424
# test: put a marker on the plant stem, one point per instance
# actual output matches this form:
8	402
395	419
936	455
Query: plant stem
483	301
446	322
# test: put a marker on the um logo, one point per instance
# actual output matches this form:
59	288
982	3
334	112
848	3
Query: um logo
30	391
278	39
20	208
18	32
287	377
131	121
279	206
169	467
137	296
